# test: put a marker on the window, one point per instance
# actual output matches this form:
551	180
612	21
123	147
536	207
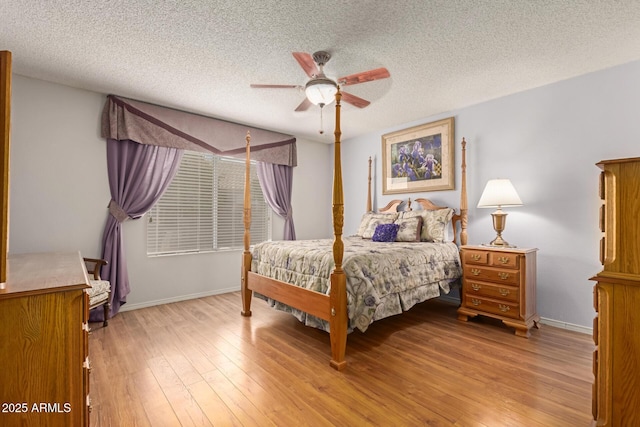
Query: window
201	211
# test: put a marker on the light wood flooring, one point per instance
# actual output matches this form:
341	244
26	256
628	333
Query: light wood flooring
199	363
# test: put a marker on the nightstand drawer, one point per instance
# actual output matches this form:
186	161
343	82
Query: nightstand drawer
475	257
501	308
507	293
504	260
498	276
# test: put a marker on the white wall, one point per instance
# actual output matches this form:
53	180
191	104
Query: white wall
59	193
547	141
58	185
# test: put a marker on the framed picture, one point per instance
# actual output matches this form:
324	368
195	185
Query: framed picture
419	158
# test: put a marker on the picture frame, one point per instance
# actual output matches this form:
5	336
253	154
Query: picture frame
419	159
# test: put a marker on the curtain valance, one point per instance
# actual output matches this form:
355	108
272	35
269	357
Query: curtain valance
127	119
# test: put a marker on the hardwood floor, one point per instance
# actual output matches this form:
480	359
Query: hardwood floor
199	363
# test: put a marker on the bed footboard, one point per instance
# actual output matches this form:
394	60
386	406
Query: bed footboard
306	300
333	307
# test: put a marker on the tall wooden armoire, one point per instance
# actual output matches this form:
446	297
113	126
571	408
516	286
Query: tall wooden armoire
616	327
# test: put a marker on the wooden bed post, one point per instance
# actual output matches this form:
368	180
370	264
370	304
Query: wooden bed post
369	204
5	135
463	196
246	256
338	293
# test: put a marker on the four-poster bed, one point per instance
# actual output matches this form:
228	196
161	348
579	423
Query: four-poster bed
329	303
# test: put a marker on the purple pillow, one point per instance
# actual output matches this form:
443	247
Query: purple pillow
385	233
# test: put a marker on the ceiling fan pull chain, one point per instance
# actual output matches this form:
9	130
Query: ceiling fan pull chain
321	121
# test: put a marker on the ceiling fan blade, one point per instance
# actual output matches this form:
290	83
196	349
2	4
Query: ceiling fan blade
307	63
304	105
366	76
275	86
354	100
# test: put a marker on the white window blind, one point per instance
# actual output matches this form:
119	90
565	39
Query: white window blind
201	211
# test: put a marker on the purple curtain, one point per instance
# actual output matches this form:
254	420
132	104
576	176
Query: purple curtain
276	182
138	175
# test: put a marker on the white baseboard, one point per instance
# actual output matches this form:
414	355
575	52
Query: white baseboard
568	326
555	323
129	307
446	298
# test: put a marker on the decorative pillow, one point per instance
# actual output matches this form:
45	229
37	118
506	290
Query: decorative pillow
409	229
376	221
367	217
434	223
363	223
385	233
411	214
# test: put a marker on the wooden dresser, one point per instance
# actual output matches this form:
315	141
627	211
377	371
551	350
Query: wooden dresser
616	327
500	283
44	365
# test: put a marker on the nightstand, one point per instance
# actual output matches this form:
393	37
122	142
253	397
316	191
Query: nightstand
500	283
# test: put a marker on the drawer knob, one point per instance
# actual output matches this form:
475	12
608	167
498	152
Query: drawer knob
503	276
475	271
504	259
475	301
475	257
504	308
504	292
475	286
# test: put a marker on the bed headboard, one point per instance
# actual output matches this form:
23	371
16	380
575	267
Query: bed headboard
425	204
428	205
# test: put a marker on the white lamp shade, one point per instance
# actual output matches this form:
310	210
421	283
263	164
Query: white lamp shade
321	91
499	193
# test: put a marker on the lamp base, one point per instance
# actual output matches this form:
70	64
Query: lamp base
501	244
499	222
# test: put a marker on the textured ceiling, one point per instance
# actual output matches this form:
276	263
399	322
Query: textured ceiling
201	56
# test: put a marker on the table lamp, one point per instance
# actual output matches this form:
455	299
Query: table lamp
498	193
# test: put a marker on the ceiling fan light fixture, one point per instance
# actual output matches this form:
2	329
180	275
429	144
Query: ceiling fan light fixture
321	91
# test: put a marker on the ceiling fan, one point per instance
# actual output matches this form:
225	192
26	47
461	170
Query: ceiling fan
320	90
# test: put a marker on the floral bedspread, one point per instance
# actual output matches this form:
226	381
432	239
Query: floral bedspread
383	279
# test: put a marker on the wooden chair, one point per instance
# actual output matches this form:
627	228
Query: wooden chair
100	292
